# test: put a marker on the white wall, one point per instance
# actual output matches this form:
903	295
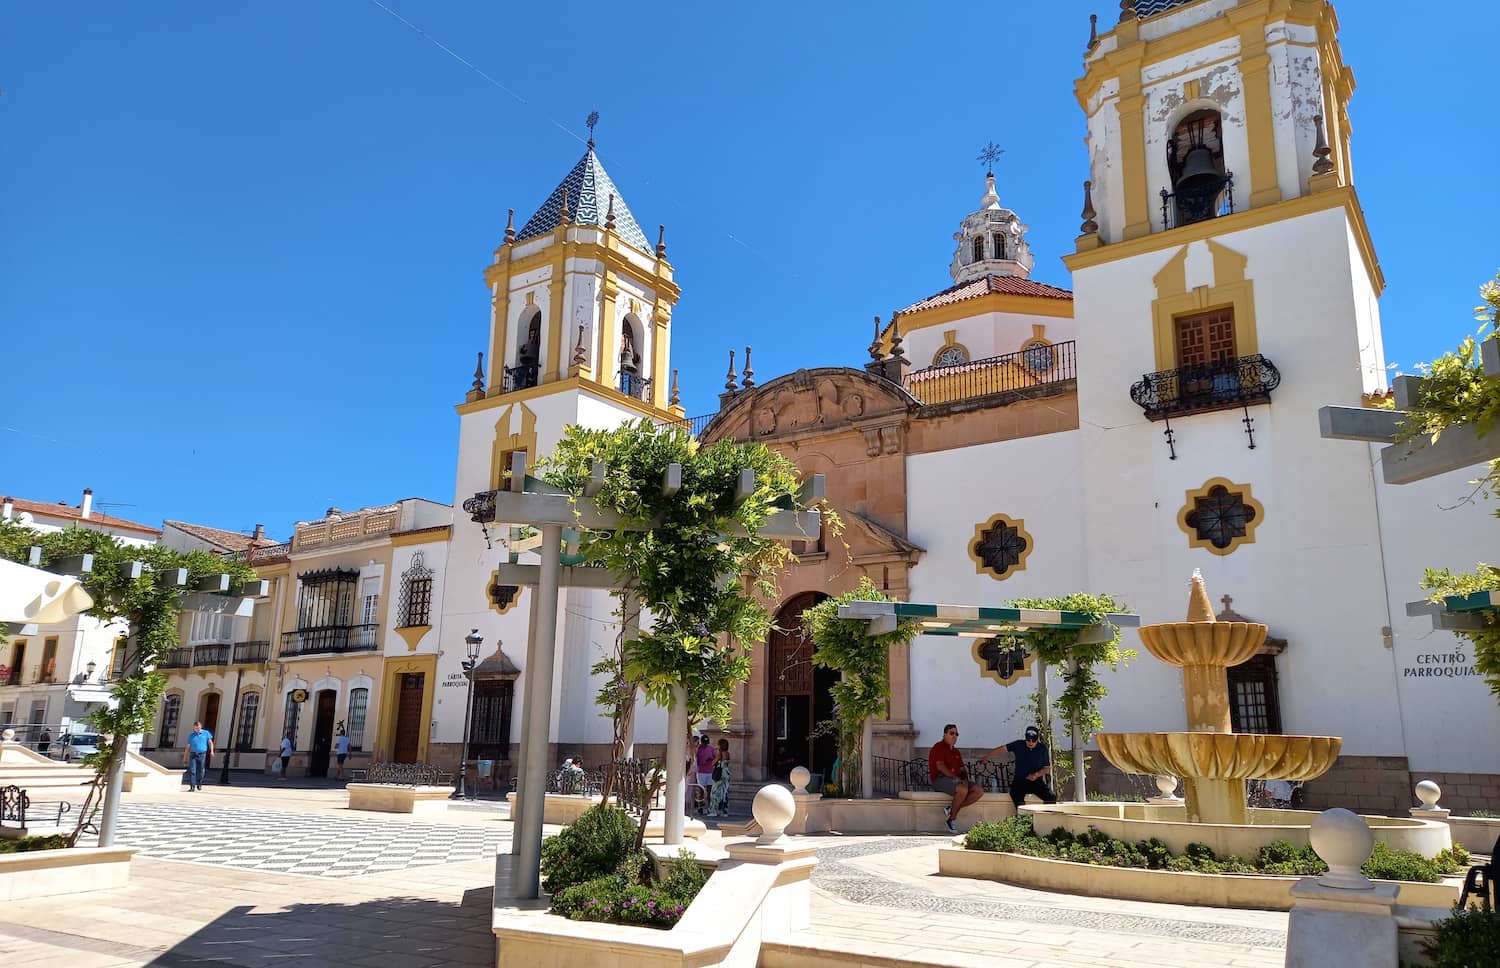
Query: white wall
985	335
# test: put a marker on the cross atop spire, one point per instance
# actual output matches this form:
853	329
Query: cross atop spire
592	120
990	154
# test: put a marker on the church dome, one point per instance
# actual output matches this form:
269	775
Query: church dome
991	241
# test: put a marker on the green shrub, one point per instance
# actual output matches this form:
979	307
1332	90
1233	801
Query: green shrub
591	847
50	842
1468	939
1483	815
1400	865
1001	835
684	878
1453	860
623	896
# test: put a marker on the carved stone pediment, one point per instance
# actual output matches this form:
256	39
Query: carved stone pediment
814	401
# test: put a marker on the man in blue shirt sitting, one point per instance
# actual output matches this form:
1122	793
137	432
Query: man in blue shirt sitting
195	754
1033	764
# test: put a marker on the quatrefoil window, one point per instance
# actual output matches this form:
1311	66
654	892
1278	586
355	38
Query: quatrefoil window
1220	516
1003	658
1000	547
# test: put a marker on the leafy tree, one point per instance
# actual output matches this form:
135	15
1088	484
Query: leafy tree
148	604
692	558
864	689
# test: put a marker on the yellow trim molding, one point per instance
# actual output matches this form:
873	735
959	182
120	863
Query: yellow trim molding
507	443
1173	299
1196	540
986	672
494	607
950	342
1016	524
404	539
570	384
390	702
412	634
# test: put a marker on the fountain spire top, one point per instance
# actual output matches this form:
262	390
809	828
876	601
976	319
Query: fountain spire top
1200	609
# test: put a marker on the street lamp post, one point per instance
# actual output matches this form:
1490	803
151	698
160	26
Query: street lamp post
471	643
234	712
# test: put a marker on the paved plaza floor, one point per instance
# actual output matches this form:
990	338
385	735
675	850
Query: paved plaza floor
258	876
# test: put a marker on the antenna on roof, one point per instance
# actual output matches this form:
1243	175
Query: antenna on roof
593	119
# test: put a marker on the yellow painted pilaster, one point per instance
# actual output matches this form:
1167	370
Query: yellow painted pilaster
660	378
609	331
1255	69
1133	151
498	279
557	363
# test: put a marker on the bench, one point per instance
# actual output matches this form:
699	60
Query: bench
20	816
401	788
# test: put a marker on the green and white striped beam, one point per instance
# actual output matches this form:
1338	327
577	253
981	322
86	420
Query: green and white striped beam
980	621
1459	613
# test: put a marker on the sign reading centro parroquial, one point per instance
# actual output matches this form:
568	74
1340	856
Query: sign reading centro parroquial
1454	664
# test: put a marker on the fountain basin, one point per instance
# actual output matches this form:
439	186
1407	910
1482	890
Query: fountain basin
1216	644
1221	756
1132	822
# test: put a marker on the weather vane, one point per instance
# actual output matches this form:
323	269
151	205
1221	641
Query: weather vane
990	154
593	119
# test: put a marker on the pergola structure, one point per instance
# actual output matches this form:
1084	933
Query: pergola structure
562	518
981	622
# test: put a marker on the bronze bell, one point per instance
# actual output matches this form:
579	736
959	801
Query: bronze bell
1199	173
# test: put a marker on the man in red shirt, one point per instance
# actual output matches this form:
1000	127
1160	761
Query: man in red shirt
945	768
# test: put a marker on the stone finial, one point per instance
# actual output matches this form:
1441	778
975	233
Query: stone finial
800	776
563	217
609	216
1127	10
896	352
1323	164
1089	226
1200	609
478	386
1429	792
1344	841
730	378
1093	31
9	735
774	809
1166	785
580	355
875	353
510	226
676	398
749	382
661	241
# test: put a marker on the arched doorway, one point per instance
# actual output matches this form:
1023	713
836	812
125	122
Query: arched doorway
799	694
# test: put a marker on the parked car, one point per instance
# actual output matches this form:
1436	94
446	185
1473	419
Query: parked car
71	747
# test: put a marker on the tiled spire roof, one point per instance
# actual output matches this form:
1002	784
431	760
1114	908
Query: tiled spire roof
1150	8
587	189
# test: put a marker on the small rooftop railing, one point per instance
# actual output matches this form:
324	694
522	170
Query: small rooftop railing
1037	365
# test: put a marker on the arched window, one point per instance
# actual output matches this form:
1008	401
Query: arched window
249	710
631	382
978	248
359	703
171	712
1000	246
1195	162
415	605
528	355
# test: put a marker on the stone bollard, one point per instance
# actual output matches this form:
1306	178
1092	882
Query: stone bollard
1341	919
1167	790
800	776
1428	792
788	907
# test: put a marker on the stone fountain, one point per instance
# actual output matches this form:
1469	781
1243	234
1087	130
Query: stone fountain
1212	761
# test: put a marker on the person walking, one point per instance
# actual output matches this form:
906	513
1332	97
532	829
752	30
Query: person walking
286	755
341	752
945	768
718	798
195	754
1033	765
704	758
44	742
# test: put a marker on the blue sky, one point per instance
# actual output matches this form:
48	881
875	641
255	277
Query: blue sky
240	270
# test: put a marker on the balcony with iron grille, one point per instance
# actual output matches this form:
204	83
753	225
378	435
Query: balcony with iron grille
522	377
251	653
636	386
330	639
1223	385
210	655
177	659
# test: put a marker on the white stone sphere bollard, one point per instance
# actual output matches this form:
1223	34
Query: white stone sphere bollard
1344	841
1167	785
801	777
1428	792
773	809
8	736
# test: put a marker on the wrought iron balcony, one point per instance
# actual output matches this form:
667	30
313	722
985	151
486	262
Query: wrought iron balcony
252	652
210	655
481	507
331	638
1237	382
521	377
1186	207
1036	365
177	659
635	385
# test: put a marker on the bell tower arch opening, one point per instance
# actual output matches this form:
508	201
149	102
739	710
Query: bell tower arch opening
1202	185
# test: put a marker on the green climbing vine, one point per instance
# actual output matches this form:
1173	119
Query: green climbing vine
864	689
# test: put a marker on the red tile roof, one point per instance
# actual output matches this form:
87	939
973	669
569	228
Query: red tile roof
228	540
1011	285
68	511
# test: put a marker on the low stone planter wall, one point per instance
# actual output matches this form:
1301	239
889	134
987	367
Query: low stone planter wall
910	812
1134	884
143	775
1136	821
561	809
1476	834
389	798
44	873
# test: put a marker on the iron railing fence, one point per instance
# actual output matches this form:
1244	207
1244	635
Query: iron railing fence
331	638
1037	365
252	652
634	385
893	775
1235	382
521	377
177	659
211	655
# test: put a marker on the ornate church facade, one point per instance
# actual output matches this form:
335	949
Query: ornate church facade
1010	439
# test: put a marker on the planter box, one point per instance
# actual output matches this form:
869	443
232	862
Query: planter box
909	812
1477	834
1134	884
44	873
389	798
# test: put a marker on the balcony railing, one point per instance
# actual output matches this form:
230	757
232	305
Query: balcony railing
210	655
1184	207
177	659
332	638
521	377
1037	365
634	385
1236	382
252	652
694	425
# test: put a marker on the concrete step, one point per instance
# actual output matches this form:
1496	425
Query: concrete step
36	779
